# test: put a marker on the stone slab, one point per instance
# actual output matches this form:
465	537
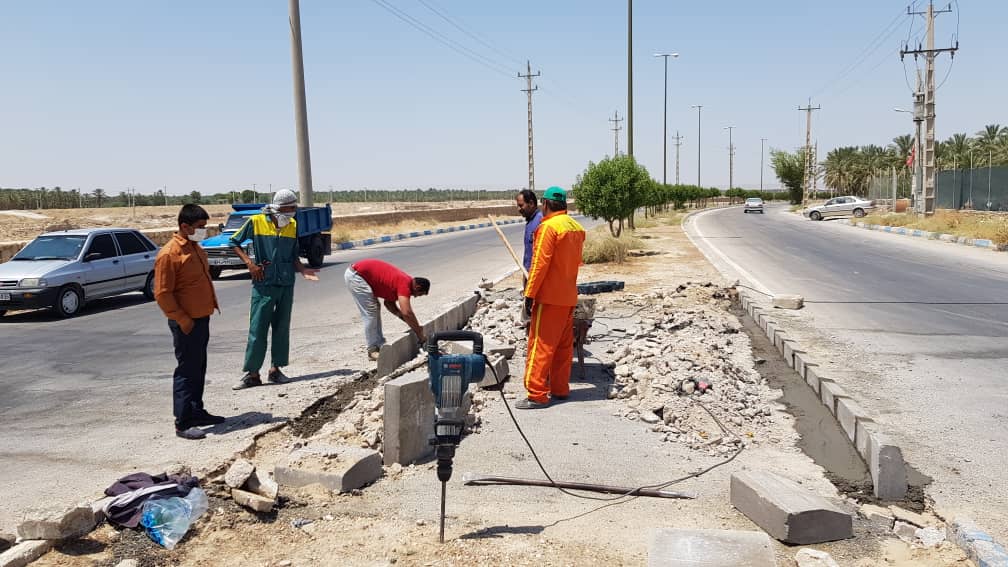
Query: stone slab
238	473
812	377
409	418
790	349
865	425
886	466
251	500
25	552
829	391
878	515
802	361
671	547
261	484
57	523
847	413
904	515
500	365
788	301
786	510
338	468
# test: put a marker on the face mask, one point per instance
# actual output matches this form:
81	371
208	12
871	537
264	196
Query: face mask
199	235
282	220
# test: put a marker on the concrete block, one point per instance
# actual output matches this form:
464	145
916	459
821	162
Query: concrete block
261	484
814	558
829	391
865	425
744	302
786	510
25	552
396	353
500	365
252	501
779	337
491	348
710	548
409	418
788	301
904	515
238	473
847	413
339	468
802	360
877	515
904	531
57	523
812	377
790	349
887	468
770	327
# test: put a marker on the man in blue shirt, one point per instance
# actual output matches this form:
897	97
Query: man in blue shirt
529	208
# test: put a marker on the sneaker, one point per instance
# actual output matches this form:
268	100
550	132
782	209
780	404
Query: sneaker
248	380
372	353
277	377
206	418
530	404
193	433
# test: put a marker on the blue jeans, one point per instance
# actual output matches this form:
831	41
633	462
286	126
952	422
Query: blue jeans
370	309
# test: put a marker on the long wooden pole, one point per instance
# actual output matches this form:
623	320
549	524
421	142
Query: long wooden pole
508	244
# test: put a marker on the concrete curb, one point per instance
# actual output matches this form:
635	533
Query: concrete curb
975	242
414	234
883	458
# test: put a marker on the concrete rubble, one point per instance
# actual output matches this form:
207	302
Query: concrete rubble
57	523
814	558
787	511
337	468
710	548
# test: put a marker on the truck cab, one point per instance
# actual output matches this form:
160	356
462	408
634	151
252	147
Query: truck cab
313	229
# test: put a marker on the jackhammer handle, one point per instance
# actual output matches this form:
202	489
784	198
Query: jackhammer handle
476	338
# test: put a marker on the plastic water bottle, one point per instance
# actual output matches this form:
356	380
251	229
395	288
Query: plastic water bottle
166	520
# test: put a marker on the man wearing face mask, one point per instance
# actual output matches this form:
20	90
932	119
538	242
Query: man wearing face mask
185	292
274	238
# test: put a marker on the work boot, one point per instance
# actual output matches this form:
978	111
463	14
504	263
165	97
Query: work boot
277	377
192	433
530	404
372	353
206	418
248	380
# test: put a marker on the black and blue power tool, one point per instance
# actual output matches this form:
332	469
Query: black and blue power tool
450	377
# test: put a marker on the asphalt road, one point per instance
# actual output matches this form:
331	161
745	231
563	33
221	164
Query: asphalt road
87	400
919	325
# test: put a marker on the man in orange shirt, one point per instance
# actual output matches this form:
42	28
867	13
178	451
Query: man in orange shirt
550	298
185	292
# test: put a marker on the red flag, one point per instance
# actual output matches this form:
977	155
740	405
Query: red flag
910	158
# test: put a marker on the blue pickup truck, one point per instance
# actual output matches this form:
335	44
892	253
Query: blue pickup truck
314	238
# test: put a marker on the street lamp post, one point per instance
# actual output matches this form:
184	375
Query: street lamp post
665	56
761	154
731	158
698	107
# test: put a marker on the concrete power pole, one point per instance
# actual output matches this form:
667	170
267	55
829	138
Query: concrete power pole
731	158
529	89
630	78
300	106
928	162
762	142
815	161
678	142
808	151
616	130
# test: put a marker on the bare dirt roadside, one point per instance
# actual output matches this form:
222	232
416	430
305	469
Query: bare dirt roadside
590	438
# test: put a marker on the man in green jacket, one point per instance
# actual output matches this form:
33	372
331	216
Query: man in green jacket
274	239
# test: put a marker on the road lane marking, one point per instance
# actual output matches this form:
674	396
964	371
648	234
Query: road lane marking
741	271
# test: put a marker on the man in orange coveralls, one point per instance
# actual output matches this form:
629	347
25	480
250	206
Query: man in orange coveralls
550	298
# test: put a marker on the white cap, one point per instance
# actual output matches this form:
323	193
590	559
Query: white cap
285	197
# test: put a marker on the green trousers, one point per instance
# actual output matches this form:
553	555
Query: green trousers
271	307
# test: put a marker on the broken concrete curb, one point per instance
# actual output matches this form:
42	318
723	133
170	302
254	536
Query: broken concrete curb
338	468
24	553
786	510
58	523
977	544
710	548
251	500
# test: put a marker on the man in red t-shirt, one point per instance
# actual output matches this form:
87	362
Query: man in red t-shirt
371	280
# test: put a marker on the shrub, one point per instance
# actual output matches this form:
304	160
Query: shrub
600	246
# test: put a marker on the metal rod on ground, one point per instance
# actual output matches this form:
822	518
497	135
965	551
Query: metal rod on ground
508	244
606	489
443	484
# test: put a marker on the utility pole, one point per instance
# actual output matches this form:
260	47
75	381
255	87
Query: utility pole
665	56
616	130
808	150
678	142
529	89
630	78
698	108
731	158
929	53
300	106
762	141
815	161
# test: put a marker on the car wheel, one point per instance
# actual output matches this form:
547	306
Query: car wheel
858	213
815	215
68	301
745	211
3	312
215	272
316	254
148	289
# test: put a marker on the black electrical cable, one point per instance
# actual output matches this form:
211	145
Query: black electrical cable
629	495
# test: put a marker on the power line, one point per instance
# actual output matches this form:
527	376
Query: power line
459	27
869	50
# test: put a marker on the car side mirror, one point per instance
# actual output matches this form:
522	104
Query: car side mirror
92	256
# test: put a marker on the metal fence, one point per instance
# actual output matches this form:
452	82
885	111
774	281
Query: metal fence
979	189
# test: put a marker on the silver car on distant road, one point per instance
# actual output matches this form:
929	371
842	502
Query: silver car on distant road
64	269
847	206
753	204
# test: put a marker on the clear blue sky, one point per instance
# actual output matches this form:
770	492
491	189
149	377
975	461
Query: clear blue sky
197	94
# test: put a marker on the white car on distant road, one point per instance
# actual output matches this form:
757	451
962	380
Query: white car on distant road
753	204
847	206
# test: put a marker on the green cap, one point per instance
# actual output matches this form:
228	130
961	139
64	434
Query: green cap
555	193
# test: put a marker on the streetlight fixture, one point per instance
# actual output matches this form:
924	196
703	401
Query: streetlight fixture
665	56
731	159
698	107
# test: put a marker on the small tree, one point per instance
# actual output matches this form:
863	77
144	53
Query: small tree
196	198
611	190
790	169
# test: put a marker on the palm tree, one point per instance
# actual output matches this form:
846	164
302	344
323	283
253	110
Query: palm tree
987	138
901	146
957	149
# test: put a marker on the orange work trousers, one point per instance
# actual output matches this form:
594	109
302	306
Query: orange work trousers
550	352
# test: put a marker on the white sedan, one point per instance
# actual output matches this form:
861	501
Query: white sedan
846	206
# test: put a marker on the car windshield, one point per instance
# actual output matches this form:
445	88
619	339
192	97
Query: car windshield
55	247
754	201
235	222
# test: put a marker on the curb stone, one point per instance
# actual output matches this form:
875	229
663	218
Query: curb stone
415	234
975	242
